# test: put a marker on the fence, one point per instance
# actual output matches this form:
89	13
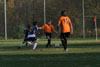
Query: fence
23	12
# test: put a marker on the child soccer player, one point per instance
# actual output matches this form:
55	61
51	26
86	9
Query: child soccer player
48	30
26	30
66	29
31	36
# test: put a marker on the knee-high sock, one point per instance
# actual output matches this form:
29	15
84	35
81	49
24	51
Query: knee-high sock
65	43
49	41
34	46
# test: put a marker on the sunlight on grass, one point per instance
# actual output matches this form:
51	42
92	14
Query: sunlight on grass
82	53
75	46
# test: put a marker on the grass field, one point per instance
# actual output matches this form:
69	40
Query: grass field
82	53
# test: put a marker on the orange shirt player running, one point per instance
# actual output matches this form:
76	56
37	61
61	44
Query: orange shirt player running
48	30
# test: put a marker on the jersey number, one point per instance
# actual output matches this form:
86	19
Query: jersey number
65	20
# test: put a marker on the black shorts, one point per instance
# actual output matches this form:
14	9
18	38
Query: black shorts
64	35
32	39
48	35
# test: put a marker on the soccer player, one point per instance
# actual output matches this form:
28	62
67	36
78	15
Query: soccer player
48	30
32	36
66	28
26	30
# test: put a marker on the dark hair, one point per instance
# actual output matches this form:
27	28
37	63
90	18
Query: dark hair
49	20
34	22
28	25
63	13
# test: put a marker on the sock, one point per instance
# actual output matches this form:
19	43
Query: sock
65	43
49	41
62	42
34	46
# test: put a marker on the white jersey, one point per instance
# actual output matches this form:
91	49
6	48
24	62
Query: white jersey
32	34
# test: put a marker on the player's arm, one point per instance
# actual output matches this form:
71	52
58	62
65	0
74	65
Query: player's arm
43	27
54	29
26	33
71	27
37	29
58	26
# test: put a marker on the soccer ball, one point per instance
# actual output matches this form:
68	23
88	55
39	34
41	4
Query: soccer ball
57	45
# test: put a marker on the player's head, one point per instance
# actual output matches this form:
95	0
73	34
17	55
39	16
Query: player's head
63	13
49	22
34	23
28	25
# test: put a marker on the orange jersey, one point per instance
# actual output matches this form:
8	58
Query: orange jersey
65	21
48	28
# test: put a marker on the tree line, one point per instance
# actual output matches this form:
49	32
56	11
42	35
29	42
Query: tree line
22	12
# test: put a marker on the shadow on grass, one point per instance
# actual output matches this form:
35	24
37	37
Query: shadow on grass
84	45
51	60
81	45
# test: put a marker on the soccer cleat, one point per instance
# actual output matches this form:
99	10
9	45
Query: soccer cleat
48	45
33	49
19	47
66	49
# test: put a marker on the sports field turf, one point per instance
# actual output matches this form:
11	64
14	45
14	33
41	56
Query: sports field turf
82	53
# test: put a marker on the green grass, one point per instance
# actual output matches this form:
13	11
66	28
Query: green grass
82	53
